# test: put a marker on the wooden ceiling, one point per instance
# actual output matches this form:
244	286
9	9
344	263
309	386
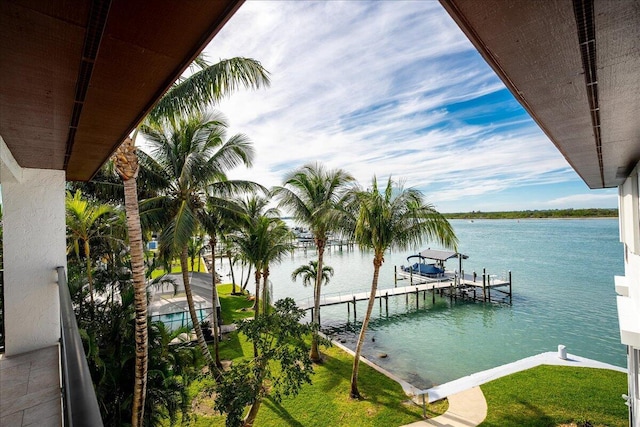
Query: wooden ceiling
575	67
77	76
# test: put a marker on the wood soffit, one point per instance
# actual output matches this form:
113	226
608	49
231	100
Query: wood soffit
575	67
78	76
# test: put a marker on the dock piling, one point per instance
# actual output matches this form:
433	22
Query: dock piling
510	290
484	285
386	302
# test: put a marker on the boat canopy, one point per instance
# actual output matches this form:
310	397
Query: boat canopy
439	255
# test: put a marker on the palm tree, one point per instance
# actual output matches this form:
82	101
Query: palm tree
127	166
218	211
309	273
193	156
86	221
253	224
197	246
396	218
315	197
209	85
278	242
264	239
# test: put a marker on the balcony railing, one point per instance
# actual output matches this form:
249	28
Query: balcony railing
79	397
1	311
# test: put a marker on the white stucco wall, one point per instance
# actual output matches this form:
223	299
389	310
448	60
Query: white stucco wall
629	286
629	204
34	245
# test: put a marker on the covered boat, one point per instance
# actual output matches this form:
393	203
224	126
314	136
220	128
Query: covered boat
432	270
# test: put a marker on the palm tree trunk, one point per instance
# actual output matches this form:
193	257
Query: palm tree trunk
233	277
184	264
246	281
377	262
315	353
140	301
265	289
126	161
256	309
87	253
256	302
214	312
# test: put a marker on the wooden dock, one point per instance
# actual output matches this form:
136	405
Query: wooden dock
339	244
468	287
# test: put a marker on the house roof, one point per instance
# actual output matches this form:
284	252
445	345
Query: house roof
575	67
77	76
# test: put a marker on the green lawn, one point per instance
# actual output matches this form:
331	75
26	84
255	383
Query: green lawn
543	396
555	395
324	403
175	268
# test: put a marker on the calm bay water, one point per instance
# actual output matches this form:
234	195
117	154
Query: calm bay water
563	294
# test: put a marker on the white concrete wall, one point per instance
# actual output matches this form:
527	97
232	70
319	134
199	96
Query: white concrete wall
628	286
34	245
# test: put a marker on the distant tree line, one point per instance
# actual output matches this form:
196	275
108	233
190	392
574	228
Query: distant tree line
548	213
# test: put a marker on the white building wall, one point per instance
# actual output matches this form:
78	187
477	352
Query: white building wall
628	287
34	245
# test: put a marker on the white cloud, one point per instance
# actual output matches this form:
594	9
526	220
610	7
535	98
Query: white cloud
391	88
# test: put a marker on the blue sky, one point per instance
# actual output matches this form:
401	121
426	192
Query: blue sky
391	88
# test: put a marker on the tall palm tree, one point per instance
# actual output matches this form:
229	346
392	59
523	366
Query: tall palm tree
197	247
219	213
395	218
315	196
309	273
209	85
86	221
260	228
127	166
278	242
193	156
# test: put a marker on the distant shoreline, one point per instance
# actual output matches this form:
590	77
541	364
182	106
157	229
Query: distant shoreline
538	214
529	218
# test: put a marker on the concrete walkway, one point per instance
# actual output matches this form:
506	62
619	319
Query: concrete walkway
466	409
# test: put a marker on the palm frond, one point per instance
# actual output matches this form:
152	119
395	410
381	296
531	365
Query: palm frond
210	85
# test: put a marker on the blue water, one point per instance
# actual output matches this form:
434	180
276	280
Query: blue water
563	289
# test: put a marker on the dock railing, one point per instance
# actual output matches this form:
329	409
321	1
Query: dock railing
80	405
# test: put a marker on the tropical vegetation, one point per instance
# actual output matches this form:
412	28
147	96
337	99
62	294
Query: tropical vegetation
316	198
192	156
393	217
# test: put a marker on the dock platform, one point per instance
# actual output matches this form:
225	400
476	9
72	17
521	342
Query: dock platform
466	287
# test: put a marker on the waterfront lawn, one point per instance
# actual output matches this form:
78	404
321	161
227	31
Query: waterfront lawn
557	395
324	403
175	268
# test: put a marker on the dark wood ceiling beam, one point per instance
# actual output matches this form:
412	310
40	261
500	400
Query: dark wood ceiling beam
95	29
